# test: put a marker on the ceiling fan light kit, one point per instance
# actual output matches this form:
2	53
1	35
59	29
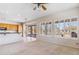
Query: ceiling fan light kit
40	6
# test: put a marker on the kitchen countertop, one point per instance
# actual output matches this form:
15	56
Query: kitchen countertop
8	32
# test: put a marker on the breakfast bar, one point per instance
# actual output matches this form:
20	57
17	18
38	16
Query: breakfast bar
9	37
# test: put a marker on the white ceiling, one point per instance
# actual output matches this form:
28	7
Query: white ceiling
17	12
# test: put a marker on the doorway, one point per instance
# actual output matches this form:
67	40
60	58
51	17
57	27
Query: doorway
32	31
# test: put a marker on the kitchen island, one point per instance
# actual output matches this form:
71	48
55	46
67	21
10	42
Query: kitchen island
9	37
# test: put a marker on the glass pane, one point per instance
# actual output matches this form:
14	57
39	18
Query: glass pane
43	29
49	28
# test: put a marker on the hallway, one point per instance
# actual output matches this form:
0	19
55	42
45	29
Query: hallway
37	47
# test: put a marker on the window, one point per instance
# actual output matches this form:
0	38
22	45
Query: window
67	20
49	26
74	19
40	28
43	29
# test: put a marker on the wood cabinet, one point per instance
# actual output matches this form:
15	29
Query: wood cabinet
12	27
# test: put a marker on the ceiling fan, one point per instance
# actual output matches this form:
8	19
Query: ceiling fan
40	6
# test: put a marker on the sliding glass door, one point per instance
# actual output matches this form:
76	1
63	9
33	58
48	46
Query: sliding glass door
32	30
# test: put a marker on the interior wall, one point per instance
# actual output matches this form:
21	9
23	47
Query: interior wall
71	13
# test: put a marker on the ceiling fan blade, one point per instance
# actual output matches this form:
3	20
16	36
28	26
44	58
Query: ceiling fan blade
43	7
34	8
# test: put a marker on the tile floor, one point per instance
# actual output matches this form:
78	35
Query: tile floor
37	47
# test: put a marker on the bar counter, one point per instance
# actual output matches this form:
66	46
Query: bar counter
9	37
